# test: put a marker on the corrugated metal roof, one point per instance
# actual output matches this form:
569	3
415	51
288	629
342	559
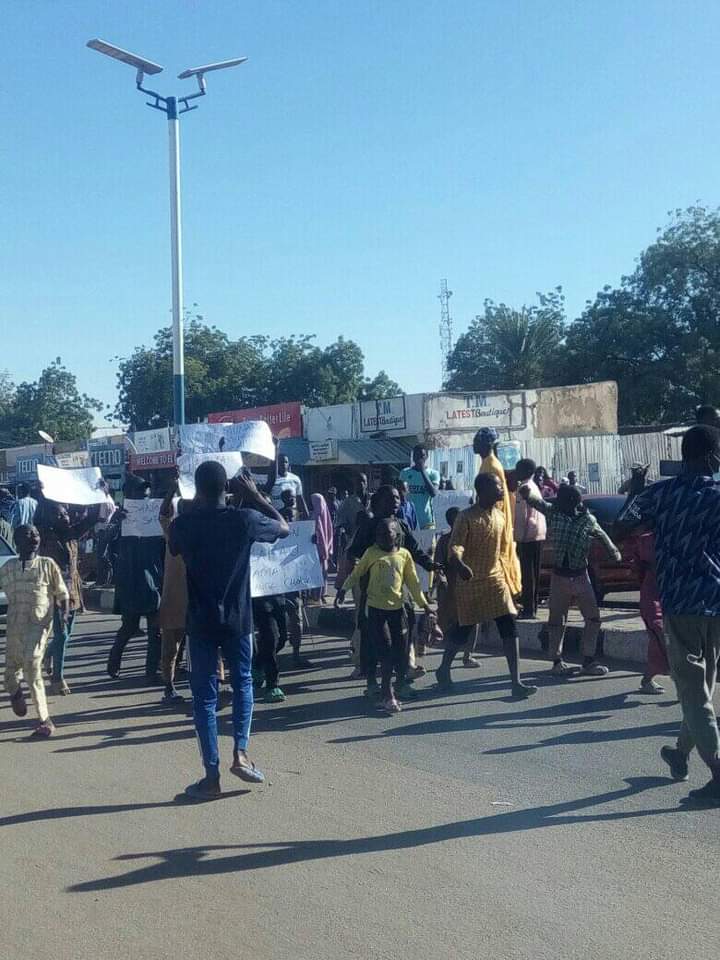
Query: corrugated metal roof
296	450
374	451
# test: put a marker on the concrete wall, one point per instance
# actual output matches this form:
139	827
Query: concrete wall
575	411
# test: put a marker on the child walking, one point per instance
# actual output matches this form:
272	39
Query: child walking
33	586
389	569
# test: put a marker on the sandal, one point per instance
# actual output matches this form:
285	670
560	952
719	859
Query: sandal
44	730
247	772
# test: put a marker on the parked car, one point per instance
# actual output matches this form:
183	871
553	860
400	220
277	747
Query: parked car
6	552
607	575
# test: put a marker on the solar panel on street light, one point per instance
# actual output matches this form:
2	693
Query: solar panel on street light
146	66
198	71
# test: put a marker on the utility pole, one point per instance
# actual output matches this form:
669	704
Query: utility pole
446	343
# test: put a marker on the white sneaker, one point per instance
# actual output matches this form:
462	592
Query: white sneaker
563	669
595	669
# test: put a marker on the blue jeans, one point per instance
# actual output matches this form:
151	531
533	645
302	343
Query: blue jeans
204	686
60	641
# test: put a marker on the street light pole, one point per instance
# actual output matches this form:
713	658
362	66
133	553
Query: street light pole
169	106
176	259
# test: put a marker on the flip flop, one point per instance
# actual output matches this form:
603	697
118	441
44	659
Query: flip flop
250	774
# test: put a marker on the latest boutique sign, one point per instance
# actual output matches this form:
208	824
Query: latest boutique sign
471	411
377	415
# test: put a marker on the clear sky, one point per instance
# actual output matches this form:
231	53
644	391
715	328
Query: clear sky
368	148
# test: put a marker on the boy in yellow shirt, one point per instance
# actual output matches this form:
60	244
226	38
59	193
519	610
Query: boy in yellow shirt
389	568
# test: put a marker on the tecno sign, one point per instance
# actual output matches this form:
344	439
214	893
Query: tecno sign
470	411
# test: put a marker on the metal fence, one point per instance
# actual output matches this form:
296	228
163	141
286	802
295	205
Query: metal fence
601	463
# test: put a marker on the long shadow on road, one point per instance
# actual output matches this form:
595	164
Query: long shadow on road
195	861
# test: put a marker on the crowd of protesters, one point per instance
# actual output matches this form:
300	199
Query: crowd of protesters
192	586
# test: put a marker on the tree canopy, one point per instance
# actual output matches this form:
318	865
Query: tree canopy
52	403
507	349
657	333
224	374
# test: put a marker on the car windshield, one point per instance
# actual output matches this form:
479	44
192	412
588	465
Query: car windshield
605	509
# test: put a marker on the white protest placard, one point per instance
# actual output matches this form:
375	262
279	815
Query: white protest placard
188	463
250	436
77	487
287	565
143	518
426	541
444	500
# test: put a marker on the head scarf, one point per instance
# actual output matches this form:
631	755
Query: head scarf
323	527
489	434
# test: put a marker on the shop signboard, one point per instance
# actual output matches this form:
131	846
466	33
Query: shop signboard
460	412
284	419
321	450
152	441
163	460
378	415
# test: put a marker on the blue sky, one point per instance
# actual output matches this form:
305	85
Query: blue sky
366	150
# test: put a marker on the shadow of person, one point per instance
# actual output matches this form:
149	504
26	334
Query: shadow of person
196	861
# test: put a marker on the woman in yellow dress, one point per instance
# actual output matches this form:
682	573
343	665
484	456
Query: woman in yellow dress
485	444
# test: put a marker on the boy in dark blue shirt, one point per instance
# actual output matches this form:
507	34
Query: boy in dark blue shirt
215	542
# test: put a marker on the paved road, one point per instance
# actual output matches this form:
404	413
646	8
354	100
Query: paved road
468	826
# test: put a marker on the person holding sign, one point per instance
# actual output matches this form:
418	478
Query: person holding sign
282	479
215	542
485	445
389	568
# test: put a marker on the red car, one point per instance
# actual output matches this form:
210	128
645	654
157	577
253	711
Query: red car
607	575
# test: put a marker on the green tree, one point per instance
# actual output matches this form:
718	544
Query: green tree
52	403
224	374
508	349
381	387
658	333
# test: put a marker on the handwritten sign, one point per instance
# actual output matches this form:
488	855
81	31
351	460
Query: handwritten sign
78	487
286	565
426	541
189	462
443	502
251	436
142	518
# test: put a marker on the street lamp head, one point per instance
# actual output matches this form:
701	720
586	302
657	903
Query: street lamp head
199	71
110	50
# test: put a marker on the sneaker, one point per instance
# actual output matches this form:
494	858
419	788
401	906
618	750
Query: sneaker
205	789
59	689
677	761
652	688
594	669
391	705
44	730
275	695
470	663
521	691
357	674
563	669
406	692
414	672
709	795
18	704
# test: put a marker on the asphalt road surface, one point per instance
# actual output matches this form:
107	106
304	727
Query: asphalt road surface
469	826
